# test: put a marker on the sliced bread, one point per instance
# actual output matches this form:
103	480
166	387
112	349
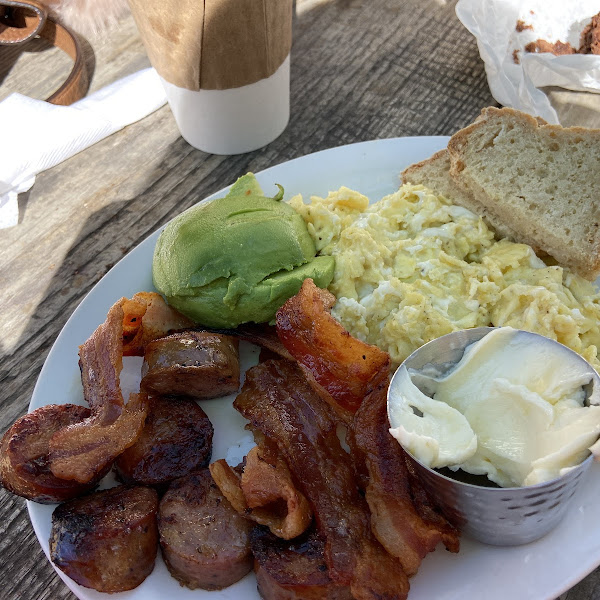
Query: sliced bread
542	181
434	173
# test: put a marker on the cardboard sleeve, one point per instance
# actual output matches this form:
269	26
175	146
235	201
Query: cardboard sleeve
214	44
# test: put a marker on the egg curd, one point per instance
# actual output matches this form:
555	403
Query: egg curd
413	267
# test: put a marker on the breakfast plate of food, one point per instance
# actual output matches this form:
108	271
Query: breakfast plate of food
406	266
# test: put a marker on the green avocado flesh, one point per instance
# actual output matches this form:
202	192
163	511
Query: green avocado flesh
260	304
236	259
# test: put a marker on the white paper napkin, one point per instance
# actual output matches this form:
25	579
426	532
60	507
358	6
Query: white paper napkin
41	135
493	23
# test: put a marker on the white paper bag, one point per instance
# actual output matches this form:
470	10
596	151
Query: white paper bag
493	23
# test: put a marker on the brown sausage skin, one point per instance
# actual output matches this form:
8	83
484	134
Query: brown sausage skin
24	462
293	569
205	543
108	540
199	364
176	439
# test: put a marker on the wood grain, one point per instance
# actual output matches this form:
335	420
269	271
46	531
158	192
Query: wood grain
361	70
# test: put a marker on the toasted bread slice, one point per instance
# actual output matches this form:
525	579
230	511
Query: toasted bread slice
541	181
434	173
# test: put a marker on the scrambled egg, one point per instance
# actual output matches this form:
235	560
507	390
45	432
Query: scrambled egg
413	267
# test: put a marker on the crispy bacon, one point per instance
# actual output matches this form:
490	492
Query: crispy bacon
405	531
429	511
342	368
262	335
82	450
265	336
228	480
265	492
278	400
147	317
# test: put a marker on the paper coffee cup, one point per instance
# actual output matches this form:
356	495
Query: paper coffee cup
225	66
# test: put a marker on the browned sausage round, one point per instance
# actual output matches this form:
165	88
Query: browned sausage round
24	465
204	542
293	569
108	540
199	364
176	439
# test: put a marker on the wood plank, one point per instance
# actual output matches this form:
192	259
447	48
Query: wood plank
361	70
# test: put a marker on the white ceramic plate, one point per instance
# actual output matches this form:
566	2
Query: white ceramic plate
541	570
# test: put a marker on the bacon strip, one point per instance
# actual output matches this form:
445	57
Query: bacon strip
340	367
430	512
405	531
80	451
265	492
228	480
278	400
147	317
264	336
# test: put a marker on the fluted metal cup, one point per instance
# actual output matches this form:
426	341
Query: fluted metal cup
480	509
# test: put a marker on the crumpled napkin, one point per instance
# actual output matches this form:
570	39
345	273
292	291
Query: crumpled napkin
39	135
493	23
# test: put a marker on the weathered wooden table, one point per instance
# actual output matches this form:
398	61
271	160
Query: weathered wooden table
361	70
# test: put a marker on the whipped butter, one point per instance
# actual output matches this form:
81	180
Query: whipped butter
514	408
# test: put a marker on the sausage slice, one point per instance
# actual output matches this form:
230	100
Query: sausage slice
24	455
176	439
199	364
108	540
293	569
205	543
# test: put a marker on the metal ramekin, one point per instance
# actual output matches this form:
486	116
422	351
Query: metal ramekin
492	515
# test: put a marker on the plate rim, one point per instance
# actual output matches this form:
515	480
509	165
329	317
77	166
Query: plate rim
437	142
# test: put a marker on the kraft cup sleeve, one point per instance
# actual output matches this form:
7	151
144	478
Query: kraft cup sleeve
214	44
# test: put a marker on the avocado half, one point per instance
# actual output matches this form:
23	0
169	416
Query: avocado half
236	259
